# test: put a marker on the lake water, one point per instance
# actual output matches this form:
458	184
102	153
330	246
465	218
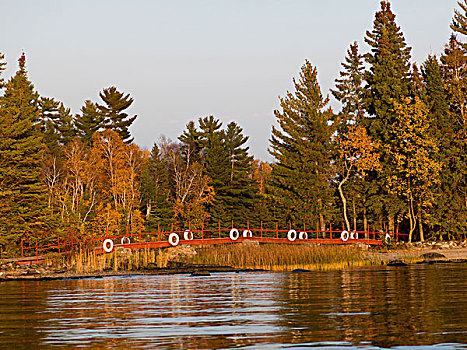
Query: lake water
413	307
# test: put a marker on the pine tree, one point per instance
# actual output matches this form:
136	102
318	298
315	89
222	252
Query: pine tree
23	213
88	122
459	22
302	149
155	191
56	122
242	187
350	93
454	72
113	112
349	90
387	82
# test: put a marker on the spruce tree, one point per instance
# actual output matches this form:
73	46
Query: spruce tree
23	213
443	217
88	122
349	90
155	191
113	113
226	162
454	72
301	146
387	82
56	122
350	93
459	22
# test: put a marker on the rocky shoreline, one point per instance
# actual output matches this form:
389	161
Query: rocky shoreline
398	255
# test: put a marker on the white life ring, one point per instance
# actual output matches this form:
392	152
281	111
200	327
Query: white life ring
125	238
387	238
108	245
188	235
234	234
247	233
292	235
344	236
303	235
174	239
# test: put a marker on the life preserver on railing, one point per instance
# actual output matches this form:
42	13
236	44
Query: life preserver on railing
292	235
188	235
108	245
247	233
234	234
174	239
344	236
387	238
303	235
127	239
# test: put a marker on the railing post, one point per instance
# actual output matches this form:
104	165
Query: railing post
58	243
22	248
219	228
330	231
202	230
159	230
290	225
261	229
277	230
126	229
37	252
317	229
140	233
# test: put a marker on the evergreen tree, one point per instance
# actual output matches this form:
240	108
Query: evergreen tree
113	112
56	122
388	82
88	122
350	93
155	191
459	22
302	149
454	72
227	164
23	213
349	90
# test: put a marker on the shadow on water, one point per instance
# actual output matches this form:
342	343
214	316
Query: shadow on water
366	308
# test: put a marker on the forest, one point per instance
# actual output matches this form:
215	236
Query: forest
392	157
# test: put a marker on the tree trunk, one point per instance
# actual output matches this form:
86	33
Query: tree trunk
365	223
412	219
354	216
391	223
322	223
420	223
344	204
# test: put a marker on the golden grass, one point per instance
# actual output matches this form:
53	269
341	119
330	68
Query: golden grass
125	259
281	257
273	257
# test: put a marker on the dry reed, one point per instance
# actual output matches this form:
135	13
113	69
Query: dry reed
281	257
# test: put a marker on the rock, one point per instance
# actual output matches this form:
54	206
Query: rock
201	273
362	246
300	270
432	256
396	262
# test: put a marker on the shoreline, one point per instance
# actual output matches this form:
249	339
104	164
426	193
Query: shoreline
391	257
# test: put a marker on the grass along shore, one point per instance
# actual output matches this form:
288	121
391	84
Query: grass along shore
247	255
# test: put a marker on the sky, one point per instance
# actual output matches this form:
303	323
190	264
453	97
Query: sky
181	60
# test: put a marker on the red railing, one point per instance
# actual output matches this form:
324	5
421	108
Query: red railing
159	239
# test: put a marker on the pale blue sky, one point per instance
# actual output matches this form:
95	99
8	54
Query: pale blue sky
184	59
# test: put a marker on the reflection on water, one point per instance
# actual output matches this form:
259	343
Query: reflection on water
362	308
